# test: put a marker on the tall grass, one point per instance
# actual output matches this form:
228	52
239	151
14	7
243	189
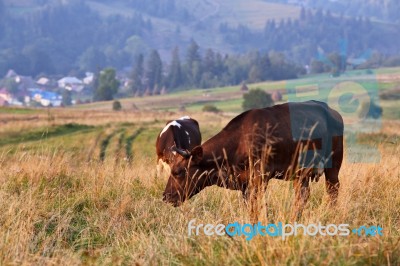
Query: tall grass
57	207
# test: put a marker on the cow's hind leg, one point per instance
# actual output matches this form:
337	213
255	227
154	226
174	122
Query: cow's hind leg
302	193
332	184
332	172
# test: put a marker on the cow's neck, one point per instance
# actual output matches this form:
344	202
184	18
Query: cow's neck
217	166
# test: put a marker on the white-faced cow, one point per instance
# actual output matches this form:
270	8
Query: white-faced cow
291	141
183	134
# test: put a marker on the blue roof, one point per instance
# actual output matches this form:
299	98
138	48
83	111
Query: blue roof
48	95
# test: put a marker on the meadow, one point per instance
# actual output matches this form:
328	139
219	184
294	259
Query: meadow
79	186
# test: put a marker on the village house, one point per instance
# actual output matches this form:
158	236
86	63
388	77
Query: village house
22	82
5	97
71	84
45	98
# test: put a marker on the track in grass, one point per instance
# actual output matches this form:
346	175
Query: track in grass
129	142
104	144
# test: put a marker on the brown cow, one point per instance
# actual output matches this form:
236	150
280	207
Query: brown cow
298	141
183	133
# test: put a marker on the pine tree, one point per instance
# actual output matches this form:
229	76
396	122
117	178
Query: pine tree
193	64
175	77
154	70
137	75
209	61
193	54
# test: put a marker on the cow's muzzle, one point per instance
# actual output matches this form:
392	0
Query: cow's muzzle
172	199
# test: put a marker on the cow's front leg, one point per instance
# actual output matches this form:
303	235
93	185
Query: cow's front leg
302	193
253	193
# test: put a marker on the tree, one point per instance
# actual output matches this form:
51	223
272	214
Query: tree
135	46
193	64
256	98
10	84
92	59
154	70
66	98
210	108
175	77
260	69
317	67
209	61
107	85
193	54
116	106
40	60
338	63
137	75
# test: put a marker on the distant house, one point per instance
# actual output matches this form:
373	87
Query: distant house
43	81
89	78
71	84
244	87
10	74
3	102
5	95
23	82
45	98
7	98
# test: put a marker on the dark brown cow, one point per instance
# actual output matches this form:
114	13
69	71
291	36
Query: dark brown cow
183	134
291	141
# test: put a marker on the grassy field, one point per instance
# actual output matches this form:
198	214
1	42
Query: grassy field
80	187
230	98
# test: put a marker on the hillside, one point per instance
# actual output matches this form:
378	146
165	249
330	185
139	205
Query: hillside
229	99
253	13
51	37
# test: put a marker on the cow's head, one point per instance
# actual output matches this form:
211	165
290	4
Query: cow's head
188	176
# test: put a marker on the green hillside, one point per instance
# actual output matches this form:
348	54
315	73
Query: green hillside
229	99
207	17
253	13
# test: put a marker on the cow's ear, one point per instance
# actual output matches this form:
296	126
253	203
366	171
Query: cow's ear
197	154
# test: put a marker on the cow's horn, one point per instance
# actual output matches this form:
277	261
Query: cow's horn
183	153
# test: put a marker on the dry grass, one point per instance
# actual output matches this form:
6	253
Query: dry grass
59	205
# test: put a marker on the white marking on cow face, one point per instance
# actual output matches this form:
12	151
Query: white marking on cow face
173	123
184	117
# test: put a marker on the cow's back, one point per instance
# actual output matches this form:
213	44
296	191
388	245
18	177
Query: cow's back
284	128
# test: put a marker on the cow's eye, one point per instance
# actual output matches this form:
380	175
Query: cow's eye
179	173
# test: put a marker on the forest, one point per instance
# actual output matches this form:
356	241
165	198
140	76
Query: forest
70	37
384	10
